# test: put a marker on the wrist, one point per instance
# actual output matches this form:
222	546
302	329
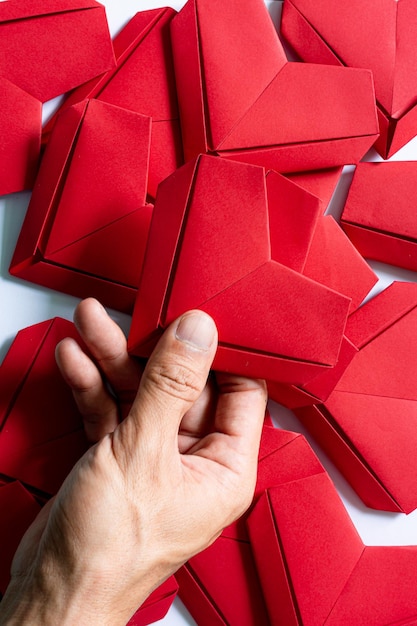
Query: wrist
31	602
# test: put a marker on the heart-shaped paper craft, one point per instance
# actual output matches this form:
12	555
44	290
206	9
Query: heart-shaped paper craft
379	215
315	569
380	36
48	48
143	81
20	131
218	241
87	224
240	98
368	424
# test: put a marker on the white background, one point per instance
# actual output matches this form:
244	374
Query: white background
23	304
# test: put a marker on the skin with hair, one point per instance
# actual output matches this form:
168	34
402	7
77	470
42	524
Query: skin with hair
173	462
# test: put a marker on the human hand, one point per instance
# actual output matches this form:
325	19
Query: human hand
157	488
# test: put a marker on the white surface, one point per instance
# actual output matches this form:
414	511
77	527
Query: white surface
23	304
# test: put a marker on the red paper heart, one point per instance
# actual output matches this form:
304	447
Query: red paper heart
273	321
142	81
314	568
380	37
240	98
87	224
367	425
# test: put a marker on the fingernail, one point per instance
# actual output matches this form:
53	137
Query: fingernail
196	329
100	308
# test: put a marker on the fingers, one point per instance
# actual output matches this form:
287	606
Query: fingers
241	405
174	378
241	410
96	405
199	420
239	418
107	344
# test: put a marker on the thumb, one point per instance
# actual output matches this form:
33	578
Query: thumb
174	377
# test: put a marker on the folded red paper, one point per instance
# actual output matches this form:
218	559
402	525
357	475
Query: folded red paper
321	183
380	37
240	98
283	456
319	388
143	81
220	235
367	425
220	586
314	568
20	130
87	223
50	48
333	261
41	430
18	510
379	214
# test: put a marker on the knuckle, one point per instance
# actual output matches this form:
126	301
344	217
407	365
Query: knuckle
175	378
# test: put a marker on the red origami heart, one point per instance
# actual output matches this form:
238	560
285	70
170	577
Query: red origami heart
87	223
315	569
240	98
368	424
142	81
218	241
380	36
